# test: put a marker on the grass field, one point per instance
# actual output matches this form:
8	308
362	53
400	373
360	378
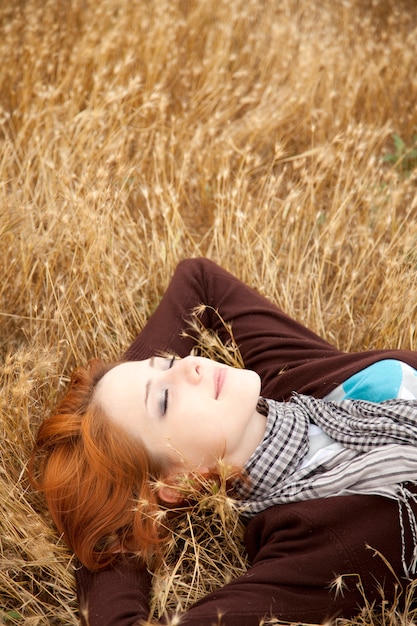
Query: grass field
278	137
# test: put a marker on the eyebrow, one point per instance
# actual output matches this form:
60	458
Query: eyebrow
148	383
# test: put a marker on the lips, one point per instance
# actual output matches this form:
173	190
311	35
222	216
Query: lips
219	377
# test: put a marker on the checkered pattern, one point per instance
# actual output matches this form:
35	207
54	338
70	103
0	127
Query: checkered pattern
379	451
378	456
362	425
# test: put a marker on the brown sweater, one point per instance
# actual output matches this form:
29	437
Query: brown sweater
296	550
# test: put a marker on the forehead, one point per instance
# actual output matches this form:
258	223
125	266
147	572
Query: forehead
122	386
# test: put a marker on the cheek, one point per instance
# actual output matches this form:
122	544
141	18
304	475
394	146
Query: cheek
198	433
243	392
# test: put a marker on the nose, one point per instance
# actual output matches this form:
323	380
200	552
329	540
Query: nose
189	368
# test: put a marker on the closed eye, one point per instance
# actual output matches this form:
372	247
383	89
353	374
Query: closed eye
163	362
164	406
164	403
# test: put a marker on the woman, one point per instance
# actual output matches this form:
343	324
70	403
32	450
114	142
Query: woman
296	550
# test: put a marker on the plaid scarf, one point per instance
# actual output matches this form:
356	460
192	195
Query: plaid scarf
378	456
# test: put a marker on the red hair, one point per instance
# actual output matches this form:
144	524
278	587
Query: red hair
97	480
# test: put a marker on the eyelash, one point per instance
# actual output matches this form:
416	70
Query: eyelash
164	405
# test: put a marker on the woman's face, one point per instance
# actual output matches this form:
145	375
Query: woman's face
192	411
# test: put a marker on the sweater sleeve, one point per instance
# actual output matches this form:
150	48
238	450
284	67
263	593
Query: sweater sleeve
287	355
296	552
113	597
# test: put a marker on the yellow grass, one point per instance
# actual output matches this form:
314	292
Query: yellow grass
135	133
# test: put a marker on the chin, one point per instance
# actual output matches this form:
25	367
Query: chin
257	381
254	385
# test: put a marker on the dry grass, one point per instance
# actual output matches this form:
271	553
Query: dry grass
135	133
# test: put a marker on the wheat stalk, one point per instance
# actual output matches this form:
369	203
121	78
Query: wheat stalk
134	134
